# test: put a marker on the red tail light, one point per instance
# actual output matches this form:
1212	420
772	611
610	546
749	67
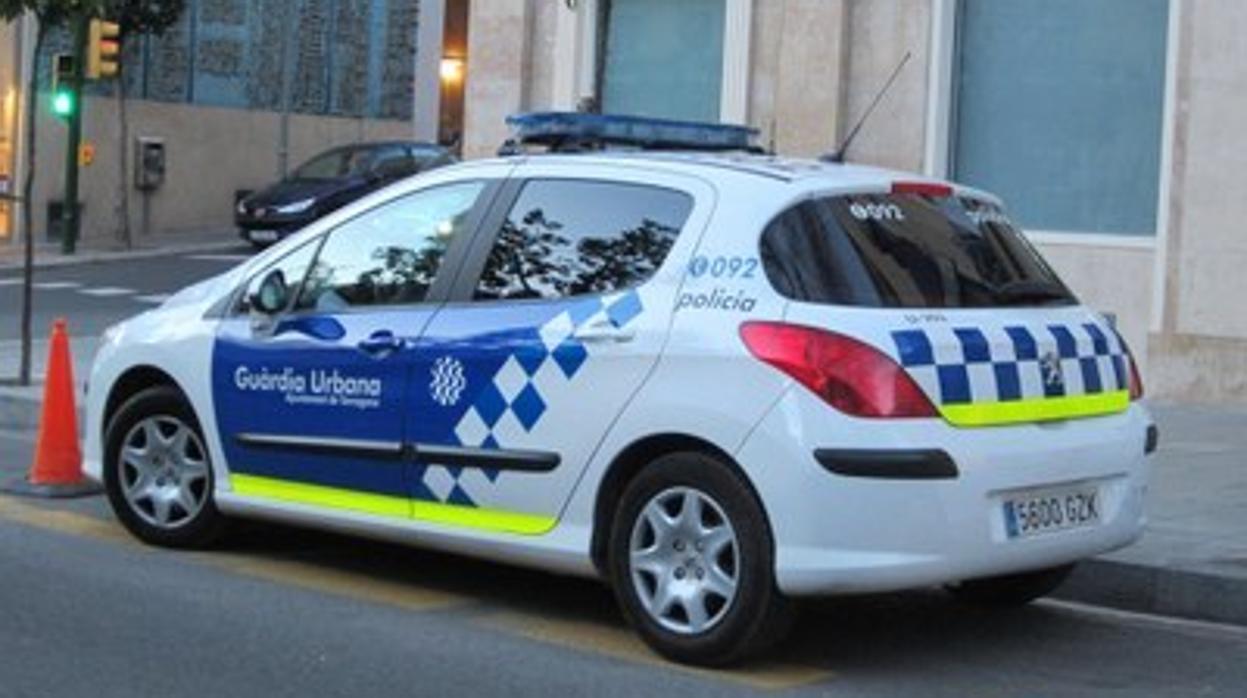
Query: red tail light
1136	382
853	377
922	189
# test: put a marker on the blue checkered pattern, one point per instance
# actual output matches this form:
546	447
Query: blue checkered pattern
516	397
963	365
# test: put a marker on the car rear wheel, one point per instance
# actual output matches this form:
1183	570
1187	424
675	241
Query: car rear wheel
1011	590
691	562
157	471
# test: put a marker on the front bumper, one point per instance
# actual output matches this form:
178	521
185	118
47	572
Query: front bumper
837	533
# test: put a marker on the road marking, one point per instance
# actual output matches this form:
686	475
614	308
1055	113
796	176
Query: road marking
603	638
62	521
307	575
337	582
10	282
56	285
1203	628
156	299
219	257
622	643
107	292
27	436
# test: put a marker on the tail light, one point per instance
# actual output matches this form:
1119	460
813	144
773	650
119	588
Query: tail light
1136	382
933	189
851	376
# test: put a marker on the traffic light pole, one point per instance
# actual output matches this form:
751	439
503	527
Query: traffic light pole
69	212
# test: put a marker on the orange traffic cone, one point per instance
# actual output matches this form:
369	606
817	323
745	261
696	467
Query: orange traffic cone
57	468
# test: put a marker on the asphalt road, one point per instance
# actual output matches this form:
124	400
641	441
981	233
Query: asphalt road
94	296
87	611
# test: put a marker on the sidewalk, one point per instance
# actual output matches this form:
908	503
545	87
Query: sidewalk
1191	563
94	250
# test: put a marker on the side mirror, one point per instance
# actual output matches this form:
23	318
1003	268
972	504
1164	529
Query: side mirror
272	296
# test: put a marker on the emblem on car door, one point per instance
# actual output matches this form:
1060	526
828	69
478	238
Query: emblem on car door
1050	369
448	381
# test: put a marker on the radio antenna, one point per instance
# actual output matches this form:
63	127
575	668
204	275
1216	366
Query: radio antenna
840	152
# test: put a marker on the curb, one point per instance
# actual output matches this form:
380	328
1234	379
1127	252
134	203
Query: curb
1158	591
103	257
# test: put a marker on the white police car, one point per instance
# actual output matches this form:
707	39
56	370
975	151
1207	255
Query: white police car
719	380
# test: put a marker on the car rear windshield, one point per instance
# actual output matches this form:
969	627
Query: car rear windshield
905	251
336	163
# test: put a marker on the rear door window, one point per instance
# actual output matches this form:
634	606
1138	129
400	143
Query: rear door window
905	251
575	237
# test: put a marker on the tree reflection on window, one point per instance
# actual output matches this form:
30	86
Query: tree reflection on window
390	256
571	238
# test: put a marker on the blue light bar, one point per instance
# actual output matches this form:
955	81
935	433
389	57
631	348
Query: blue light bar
574	129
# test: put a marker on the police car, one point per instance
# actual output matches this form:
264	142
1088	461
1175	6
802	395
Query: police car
718	379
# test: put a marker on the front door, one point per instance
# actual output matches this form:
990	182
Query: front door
517	380
310	401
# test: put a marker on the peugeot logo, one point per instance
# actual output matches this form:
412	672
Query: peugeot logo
1050	369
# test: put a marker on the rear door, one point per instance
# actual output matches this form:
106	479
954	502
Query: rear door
556	323
310	402
946	286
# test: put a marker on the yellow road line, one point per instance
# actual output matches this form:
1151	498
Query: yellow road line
62	521
337	582
585	635
305	575
621	643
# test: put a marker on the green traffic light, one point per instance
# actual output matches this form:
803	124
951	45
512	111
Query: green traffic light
63	103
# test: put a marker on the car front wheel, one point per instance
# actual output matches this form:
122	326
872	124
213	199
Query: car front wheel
157	471
691	562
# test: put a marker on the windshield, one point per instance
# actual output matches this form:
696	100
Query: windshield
333	164
906	251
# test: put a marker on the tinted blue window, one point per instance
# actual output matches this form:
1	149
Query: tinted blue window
1059	109
664	58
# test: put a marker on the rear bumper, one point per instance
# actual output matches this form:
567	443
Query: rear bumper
282	226
849	531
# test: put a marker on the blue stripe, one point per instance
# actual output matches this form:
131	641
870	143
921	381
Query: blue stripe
1024	344
1008	382
973	345
1091	375
954	384
914	348
1066	345
1098	339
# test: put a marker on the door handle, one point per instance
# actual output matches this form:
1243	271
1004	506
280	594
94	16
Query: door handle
604	331
381	344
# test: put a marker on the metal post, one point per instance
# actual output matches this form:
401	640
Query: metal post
289	36
69	214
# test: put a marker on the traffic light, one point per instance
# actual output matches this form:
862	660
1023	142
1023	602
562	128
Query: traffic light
103	49
64	104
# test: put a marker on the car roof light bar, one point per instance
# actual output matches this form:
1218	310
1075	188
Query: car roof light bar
577	132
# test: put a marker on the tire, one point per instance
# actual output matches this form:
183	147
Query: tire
733	582
164	497
1011	590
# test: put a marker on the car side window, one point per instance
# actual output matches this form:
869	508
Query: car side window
394	161
290	269
567	237
391	254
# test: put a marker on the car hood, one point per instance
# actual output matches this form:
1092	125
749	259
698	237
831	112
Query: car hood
289	191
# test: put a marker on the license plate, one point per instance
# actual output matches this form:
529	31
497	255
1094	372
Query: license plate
263	235
1035	512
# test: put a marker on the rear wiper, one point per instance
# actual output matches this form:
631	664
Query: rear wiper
1018	292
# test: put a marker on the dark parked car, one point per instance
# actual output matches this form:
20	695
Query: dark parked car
329	181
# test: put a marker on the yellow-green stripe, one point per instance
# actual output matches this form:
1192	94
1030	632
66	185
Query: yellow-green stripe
982	414
393	507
